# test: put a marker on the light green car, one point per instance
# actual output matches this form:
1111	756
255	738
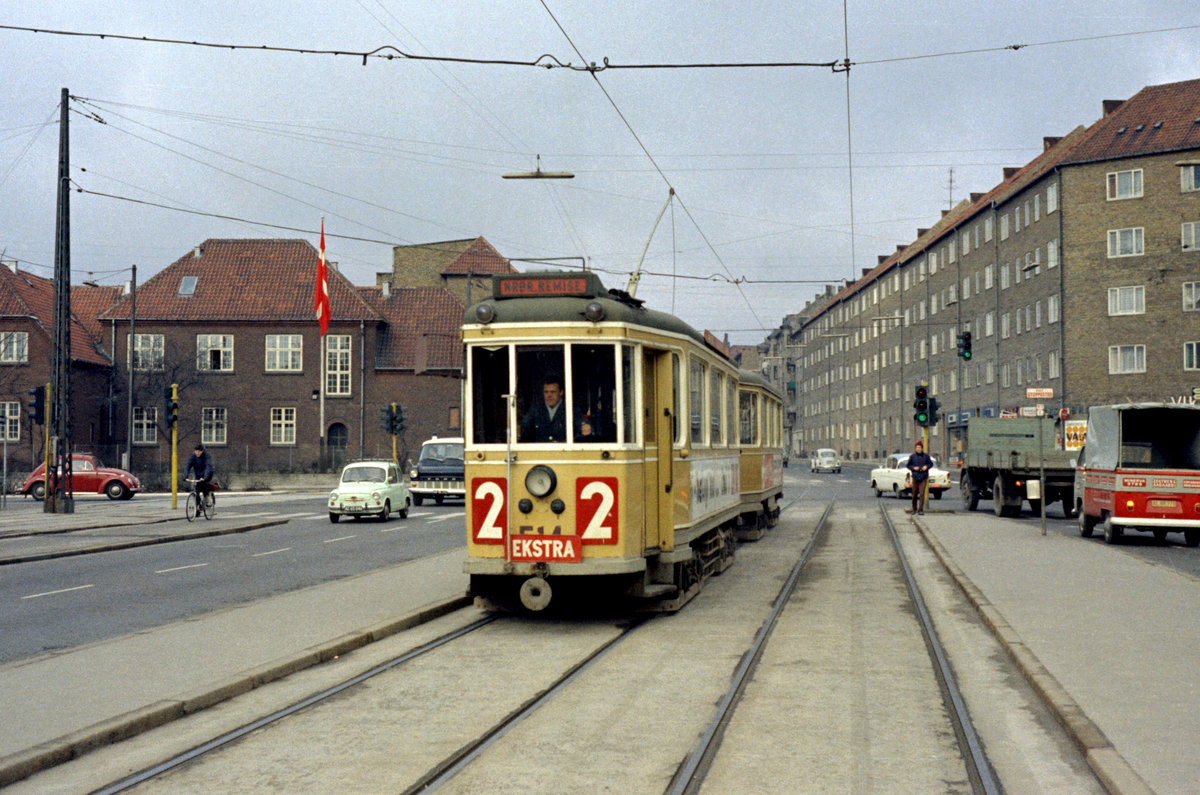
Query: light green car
370	488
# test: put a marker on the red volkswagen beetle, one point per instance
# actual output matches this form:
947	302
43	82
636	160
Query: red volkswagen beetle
88	476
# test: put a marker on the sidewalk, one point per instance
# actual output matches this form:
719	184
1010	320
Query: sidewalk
1110	640
59	705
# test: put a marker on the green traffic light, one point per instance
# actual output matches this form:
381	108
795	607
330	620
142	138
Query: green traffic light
966	354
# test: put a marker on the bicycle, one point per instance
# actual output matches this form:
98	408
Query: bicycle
196	505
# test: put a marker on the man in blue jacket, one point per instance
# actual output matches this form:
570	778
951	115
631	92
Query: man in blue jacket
919	465
201	463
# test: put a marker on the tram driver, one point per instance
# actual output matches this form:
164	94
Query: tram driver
546	420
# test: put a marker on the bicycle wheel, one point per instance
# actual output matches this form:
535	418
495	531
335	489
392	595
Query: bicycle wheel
210	505
191	506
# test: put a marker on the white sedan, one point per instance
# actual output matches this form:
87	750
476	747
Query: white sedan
894	477
369	488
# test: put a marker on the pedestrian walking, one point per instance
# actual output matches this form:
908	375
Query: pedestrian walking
919	465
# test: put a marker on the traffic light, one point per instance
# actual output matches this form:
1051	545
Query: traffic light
170	406
397	419
934	418
37	405
387	416
921	404
964	345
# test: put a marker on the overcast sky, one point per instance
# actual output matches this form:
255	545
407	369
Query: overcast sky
402	151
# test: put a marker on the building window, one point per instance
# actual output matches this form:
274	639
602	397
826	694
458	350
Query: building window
145	425
989	324
283	426
1127	300
1125	242
1051	198
966	288
14	347
1037	207
337	364
1052	254
147	351
1124	184
1004	276
989	278
285	353
1191	357
1005	326
1052	364
212	428
1004	227
10	414
1052	309
1191	296
1005	377
1189	178
987	229
1126	359
214	352
1190	234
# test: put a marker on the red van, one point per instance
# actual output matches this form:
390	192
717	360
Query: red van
1139	469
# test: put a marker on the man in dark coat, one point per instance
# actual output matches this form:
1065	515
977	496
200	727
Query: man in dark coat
919	465
546	421
200	462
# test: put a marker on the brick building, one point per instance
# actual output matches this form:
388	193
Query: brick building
1078	276
464	267
232	324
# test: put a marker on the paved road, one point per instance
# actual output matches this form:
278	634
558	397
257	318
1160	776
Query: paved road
60	603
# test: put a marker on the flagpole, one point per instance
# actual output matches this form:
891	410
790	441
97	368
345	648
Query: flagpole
324	314
321	448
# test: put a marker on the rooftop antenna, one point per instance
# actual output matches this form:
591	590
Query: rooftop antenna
636	276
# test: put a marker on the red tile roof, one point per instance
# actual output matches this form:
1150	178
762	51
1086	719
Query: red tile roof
23	295
455	257
1156	119
423	330
244	280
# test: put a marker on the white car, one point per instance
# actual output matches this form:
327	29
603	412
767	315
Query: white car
825	460
894	477
369	488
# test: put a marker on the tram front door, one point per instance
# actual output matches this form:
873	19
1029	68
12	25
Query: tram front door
658	385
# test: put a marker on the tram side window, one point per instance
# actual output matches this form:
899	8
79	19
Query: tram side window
716	387
696	400
748	418
540	394
676	399
627	380
489	379
594	392
731	412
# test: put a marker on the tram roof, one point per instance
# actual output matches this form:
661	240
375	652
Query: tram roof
556	297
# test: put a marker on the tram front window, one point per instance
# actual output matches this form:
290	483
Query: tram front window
547	402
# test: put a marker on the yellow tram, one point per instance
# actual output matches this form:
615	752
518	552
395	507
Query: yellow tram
606	448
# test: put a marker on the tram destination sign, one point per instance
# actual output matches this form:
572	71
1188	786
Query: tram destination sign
545	285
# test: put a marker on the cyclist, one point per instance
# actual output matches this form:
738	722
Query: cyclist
201	462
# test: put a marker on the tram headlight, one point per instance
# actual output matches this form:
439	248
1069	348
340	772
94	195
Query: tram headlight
540	480
485	313
594	311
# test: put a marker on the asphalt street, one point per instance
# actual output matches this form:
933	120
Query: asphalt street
65	602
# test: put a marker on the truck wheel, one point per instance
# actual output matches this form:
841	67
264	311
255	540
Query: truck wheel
1112	532
1191	537
970	497
439	499
417	499
998	497
1086	524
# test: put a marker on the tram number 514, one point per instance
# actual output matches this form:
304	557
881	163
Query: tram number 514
596	510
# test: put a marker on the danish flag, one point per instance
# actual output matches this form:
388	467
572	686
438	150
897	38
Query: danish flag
321	292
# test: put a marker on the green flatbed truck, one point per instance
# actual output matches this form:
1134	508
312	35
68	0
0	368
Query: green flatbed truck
1005	461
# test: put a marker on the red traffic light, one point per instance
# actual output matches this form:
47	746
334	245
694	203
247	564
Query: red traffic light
922	392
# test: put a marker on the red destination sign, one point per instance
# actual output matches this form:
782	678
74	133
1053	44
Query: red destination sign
552	549
542	286
1134	483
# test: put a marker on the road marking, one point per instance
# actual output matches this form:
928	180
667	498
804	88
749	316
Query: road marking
272	552
419	515
447	516
181	568
298	515
61	590
339	538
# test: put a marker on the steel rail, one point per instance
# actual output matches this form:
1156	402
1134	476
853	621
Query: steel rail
979	770
690	774
235	734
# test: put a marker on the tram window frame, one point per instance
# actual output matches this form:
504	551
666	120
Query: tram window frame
627	393
593	356
697	378
716	387
489	384
731	412
748	418
532	364
676	401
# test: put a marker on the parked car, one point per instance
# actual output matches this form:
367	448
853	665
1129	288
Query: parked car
88	476
894	477
825	460
439	471
369	488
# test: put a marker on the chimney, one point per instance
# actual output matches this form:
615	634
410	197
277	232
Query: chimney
1110	105
385	289
945	213
1009	171
976	197
128	286
197	251
921	232
866	271
883	258
1050	141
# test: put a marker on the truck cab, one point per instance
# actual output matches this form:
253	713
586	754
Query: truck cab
438	473
1140	470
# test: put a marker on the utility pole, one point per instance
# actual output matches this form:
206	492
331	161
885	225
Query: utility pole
129	347
61	499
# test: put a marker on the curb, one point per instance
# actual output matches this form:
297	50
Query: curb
23	764
142	542
1115	773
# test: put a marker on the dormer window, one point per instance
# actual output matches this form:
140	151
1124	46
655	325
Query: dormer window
187	285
